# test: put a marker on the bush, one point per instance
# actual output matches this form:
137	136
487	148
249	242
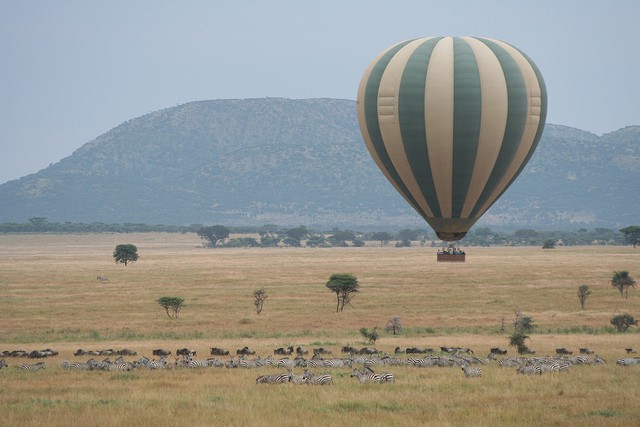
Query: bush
371	336
623	321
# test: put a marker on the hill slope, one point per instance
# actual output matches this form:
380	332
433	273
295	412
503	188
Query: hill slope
293	162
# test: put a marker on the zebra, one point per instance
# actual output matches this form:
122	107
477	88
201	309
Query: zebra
297	379
312	379
530	370
587	360
371	377
274	379
628	361
336	363
34	367
120	366
3	363
470	372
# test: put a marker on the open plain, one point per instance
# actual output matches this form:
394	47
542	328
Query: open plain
50	298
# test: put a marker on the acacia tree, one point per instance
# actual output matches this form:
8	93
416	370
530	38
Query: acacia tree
632	234
382	236
583	294
344	286
213	234
623	321
622	282
125	253
171	305
259	296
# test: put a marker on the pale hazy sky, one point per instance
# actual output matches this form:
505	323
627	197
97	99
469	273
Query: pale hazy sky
72	70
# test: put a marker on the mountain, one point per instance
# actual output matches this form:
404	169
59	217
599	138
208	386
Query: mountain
303	162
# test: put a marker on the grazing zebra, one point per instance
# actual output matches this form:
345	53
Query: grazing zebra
312	379
530	370
34	367
470	372
628	361
370	377
122	366
587	360
274	379
509	362
336	363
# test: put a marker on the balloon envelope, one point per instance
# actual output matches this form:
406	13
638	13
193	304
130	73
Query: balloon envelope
451	122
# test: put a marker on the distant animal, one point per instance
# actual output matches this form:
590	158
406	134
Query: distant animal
630	350
245	350
274	379
102	278
470	372
563	351
3	363
215	351
185	352
584	350
161	352
498	350
301	352
372	377
282	351
34	367
320	351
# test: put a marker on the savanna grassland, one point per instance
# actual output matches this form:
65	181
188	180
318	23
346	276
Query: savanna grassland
50	298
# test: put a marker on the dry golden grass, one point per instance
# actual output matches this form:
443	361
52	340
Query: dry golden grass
51	299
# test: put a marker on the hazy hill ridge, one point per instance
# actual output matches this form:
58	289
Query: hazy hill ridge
294	162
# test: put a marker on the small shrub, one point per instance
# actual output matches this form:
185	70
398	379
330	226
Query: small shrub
622	322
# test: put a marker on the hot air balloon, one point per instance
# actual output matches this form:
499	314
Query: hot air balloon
451	122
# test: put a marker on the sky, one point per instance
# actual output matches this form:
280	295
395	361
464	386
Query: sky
71	70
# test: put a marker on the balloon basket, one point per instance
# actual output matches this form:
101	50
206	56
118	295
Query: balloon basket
451	257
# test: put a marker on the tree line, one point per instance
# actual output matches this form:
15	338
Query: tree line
270	235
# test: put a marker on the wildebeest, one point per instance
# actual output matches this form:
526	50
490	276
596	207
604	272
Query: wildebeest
416	350
215	351
629	350
584	350
301	352
161	352
498	350
320	351
282	351
245	350
563	351
185	352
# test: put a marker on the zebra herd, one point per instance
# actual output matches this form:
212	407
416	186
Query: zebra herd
363	366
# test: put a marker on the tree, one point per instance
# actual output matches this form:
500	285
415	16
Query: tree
632	235
344	286
583	294
517	339
549	244
394	325
382	236
371	336
125	253
298	233
213	234
171	305
622	282
259	295
622	322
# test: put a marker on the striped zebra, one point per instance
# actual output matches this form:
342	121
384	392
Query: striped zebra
530	370
509	362
470	372
587	360
33	367
628	361
336	363
274	379
312	379
372	377
297	379
120	366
